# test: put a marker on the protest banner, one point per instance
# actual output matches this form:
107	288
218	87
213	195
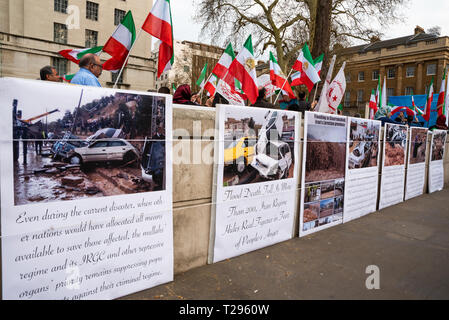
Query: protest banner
86	213
436	165
362	168
416	163
256	177
393	165
323	172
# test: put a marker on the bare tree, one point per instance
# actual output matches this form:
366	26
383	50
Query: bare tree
435	31
286	24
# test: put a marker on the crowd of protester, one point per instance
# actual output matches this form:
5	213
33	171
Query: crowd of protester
91	69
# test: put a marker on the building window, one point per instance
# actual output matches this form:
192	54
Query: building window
347	99
60	64
92	11
91	38
431	69
376	75
60	33
391	73
114	76
361	76
61	6
410	72
390	92
118	16
409	91
360	96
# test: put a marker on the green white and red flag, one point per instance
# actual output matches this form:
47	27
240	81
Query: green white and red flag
211	85
373	105
68	77
319	64
202	79
159	25
306	65
120	43
222	67
427	111
278	78
441	96
415	108
379	96
243	68
75	55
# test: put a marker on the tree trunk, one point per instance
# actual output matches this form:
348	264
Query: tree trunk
321	31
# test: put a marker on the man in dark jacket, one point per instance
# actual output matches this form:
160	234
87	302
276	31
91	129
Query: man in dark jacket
261	102
302	105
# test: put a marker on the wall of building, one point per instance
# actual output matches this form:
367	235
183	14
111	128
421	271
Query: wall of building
27	34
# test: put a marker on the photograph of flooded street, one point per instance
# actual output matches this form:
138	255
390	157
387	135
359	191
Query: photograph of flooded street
101	144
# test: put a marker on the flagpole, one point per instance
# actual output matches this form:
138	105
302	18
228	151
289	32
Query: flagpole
127	58
201	91
316	90
282	88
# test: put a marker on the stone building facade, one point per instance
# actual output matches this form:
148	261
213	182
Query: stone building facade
33	32
409	63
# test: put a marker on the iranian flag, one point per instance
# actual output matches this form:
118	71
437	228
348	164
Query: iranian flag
75	55
159	24
222	67
120	43
415	108
243	68
372	105
427	112
211	85
319	64
202	79
278	78
68	77
440	103
306	65
379	96
397	109
296	79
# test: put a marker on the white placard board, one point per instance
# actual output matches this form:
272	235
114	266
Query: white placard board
90	215
416	163
436	160
362	168
393	165
256	179
323	172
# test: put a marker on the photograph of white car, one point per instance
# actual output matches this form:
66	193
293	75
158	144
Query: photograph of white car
258	147
98	145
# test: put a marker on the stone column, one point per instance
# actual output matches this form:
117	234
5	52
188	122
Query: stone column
419	77
399	90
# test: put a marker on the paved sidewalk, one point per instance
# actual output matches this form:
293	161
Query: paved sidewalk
408	242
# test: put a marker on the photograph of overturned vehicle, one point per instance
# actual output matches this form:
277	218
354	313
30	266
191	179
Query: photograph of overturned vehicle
102	145
258	147
363	144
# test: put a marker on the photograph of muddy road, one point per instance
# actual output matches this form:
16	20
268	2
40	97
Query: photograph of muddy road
418	144
438	141
259	146
395	144
100	144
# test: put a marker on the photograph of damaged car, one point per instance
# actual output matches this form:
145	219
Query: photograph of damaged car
363	144
102	144
259	147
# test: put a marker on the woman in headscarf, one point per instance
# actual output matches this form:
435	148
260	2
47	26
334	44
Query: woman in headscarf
183	95
441	123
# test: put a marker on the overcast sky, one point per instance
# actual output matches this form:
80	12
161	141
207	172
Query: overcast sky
418	12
